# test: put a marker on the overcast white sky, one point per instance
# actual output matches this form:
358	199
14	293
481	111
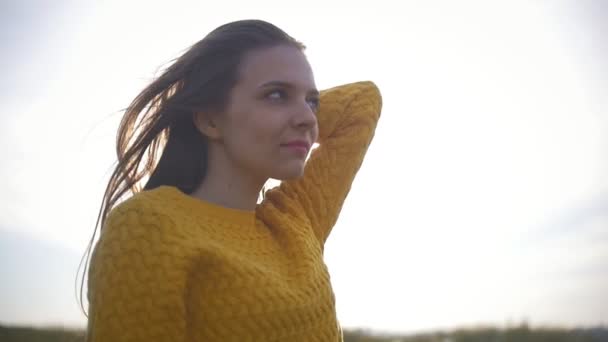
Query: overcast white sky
484	196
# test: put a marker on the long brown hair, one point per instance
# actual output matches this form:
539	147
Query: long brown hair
160	118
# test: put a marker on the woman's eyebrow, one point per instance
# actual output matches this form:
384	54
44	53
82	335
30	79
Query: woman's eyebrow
288	85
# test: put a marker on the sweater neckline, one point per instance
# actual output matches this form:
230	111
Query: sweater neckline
209	209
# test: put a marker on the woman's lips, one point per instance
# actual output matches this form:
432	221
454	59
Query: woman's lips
300	147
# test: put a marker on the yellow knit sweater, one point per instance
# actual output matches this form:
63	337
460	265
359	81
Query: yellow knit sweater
169	267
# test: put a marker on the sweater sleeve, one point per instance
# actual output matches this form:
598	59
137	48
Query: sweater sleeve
347	121
137	280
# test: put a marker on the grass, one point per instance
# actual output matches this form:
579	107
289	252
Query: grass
28	334
521	333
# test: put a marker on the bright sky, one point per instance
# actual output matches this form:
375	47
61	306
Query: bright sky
484	196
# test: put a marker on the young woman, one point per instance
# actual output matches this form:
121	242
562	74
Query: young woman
194	256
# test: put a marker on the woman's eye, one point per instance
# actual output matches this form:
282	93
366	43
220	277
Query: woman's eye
314	104
281	95
276	95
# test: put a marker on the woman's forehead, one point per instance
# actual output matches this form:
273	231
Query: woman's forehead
277	66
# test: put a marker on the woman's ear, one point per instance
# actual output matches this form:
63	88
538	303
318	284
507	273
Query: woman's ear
207	125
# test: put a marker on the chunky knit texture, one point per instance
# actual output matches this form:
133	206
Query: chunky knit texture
169	267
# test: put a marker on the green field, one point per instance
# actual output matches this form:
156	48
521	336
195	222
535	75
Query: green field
516	334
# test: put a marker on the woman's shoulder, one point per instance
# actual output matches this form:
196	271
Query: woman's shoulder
143	223
149	208
138	240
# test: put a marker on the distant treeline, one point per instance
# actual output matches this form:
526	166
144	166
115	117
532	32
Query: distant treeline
26	334
516	334
522	333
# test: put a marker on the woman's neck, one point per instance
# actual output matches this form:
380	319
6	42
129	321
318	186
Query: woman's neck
229	186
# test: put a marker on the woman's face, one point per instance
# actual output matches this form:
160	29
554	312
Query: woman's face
270	123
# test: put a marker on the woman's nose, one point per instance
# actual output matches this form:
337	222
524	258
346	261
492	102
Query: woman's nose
304	116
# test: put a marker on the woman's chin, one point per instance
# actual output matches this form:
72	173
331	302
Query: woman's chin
289	174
